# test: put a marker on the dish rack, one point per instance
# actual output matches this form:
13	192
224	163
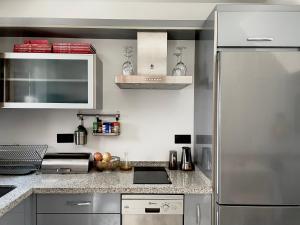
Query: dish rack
21	159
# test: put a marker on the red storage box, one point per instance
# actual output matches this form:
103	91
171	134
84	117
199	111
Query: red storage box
73	47
36	48
41	41
43	46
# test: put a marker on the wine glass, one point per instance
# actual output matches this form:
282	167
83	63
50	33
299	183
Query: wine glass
180	68
127	67
29	97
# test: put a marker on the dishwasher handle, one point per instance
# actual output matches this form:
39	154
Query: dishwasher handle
152	210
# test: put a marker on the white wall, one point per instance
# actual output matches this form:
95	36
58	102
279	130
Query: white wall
149	118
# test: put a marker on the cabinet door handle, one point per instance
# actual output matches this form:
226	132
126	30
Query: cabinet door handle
79	203
260	39
198	217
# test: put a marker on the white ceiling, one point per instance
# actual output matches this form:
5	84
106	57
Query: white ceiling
119	9
199	1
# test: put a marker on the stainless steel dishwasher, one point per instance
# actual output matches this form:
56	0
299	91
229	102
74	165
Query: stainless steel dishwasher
152	209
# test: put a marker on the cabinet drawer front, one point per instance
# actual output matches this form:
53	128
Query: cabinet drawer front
78	219
258	29
78	203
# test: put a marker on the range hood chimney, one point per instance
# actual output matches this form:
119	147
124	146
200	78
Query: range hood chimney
152	52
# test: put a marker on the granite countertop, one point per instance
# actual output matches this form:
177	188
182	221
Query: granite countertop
193	182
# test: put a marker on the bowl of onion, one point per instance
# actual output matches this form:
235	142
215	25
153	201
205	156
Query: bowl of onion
106	161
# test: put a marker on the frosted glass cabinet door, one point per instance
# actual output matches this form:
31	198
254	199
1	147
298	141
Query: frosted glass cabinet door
34	80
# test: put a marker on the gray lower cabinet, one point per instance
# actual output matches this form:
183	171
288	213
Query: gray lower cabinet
78	209
78	219
22	214
197	209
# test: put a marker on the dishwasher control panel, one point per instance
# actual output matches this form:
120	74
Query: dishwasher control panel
152	204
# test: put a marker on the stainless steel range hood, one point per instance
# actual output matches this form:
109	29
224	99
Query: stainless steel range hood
152	65
153	82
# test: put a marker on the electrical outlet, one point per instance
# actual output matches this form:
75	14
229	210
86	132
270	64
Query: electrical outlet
65	138
182	139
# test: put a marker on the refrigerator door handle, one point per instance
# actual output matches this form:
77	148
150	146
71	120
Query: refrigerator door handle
260	39
217	125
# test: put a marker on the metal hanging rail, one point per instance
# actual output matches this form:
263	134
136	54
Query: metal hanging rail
116	115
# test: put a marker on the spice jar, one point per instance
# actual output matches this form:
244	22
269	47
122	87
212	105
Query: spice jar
99	124
116	127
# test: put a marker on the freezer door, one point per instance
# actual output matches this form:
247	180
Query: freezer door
247	215
258	128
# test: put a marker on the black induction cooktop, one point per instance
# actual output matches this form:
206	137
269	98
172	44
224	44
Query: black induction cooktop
151	175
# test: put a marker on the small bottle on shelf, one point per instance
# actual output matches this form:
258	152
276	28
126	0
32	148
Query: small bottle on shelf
99	125
106	128
95	126
116	127
112	131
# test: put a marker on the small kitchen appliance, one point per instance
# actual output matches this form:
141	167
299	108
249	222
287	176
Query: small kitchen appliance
150	175
173	160
186	163
66	163
80	135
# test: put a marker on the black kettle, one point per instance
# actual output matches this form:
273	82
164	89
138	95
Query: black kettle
186	163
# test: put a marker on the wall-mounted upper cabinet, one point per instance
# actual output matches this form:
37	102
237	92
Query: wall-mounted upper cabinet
258	28
48	80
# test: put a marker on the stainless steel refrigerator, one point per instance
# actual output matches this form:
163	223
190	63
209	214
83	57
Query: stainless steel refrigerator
257	136
247	107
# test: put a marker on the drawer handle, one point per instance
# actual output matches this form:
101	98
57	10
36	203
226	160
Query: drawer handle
79	203
260	39
198	218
